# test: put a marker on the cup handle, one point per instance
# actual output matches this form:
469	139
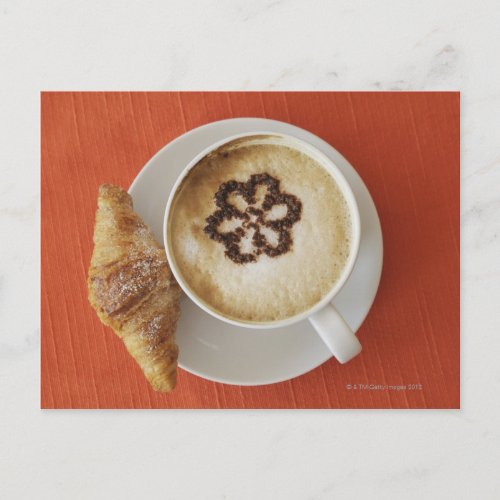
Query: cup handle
335	333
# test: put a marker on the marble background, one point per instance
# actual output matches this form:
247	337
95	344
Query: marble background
276	44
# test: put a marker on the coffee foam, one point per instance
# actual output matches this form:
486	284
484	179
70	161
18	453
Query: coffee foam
270	288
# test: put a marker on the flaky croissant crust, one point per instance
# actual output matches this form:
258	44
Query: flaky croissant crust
132	288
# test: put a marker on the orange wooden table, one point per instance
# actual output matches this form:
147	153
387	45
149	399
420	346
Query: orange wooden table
404	145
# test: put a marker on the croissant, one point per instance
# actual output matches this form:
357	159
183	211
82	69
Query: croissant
132	288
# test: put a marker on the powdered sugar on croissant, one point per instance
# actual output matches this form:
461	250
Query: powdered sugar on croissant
132	288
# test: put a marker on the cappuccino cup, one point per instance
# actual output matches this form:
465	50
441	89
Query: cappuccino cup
262	230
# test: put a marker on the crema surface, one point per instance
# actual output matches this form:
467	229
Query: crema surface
259	232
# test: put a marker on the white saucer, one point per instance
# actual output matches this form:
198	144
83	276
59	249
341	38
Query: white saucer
224	353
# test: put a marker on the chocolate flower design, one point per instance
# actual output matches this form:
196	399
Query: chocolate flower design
271	232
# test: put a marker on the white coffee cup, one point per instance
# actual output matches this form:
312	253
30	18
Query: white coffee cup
324	317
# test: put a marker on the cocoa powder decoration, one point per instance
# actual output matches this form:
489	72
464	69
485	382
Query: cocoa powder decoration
226	211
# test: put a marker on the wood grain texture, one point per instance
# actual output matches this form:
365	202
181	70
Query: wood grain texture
406	147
